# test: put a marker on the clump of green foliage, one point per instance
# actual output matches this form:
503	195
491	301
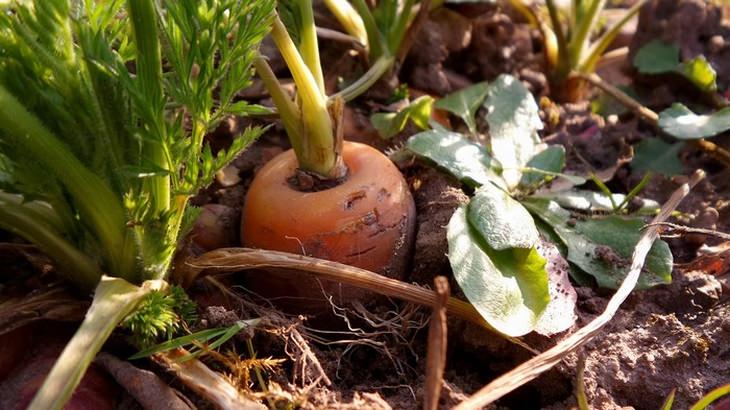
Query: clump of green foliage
500	241
104	106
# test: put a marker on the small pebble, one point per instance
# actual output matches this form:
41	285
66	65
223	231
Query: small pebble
716	43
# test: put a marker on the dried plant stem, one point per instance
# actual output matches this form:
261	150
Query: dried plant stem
650	116
205	382
237	259
647	114
682	229
145	386
340	37
544	361
437	336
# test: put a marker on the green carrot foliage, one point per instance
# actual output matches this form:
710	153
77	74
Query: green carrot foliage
104	105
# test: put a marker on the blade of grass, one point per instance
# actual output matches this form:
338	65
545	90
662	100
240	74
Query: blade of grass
401	24
201	337
562	52
113	300
669	401
580	385
585	25
635	190
710	397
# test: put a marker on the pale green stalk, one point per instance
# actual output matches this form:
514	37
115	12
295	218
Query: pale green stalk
114	299
348	17
308	43
580	40
318	142
362	84
588	64
288	111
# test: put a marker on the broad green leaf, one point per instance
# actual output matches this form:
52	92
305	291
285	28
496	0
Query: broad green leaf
653	154
681	123
657	57
591	201
514	120
700	73
502	221
559	315
464	159
465	103
550	160
602	247
390	124
508	288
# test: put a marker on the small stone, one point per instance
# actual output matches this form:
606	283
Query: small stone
228	176
716	44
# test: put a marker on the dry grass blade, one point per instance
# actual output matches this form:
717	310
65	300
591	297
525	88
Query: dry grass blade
436	358
237	259
544	361
205	382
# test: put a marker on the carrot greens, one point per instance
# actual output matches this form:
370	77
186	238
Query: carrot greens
104	106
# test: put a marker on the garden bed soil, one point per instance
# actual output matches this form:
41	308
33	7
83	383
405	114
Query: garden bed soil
674	336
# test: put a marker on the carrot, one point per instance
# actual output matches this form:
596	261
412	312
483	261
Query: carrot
365	215
366	221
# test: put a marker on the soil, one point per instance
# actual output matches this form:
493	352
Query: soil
674	336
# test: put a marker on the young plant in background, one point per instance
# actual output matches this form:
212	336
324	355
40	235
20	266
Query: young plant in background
327	197
569	46
657	57
505	245
96	162
383	30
